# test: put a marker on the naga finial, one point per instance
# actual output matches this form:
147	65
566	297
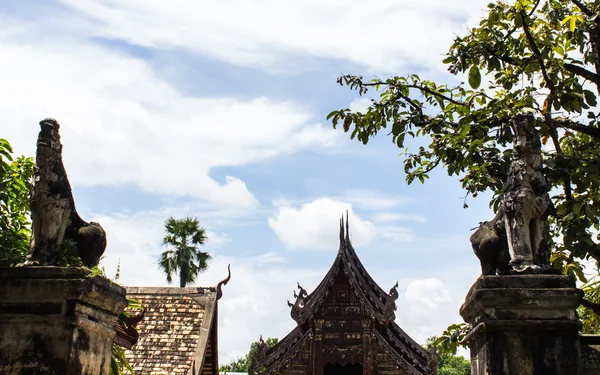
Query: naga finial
223	282
390	303
298	304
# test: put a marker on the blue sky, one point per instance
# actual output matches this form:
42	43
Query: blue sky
217	109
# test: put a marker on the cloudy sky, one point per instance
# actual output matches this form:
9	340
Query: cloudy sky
217	109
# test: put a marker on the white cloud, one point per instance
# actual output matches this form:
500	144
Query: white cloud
123	125
396	233
388	217
426	295
217	239
315	225
384	35
373	200
426	308
360	105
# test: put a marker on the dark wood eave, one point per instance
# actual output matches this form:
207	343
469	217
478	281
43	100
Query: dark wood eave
280	354
411	351
403	357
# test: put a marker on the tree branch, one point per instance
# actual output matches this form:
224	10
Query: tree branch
580	71
591	305
583	8
555	140
572	125
536	52
432	167
434	93
421	88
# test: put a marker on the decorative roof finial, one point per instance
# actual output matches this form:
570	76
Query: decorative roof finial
347	228
223	282
342	229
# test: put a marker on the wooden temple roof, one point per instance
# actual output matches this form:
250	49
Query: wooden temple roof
380	305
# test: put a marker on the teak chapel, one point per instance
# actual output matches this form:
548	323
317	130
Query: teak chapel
345	326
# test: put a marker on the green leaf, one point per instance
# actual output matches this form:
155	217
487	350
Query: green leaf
518	20
347	122
494	63
474	77
590	98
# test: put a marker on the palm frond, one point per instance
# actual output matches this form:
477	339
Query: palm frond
183	238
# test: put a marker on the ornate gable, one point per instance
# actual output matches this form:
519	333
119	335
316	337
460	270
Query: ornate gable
345	326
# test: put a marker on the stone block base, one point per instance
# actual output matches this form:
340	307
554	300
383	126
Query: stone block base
57	321
523	325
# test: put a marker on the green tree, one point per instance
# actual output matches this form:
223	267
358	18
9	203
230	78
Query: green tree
242	364
535	56
448	363
183	238
15	224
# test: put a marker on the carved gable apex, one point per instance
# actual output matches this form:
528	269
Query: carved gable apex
378	303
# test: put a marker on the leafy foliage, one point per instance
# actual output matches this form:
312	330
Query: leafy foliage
590	320
183	237
242	364
536	56
15	224
449	341
453	365
118	362
531	56
448	362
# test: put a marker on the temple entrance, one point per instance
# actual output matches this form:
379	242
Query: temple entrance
338	369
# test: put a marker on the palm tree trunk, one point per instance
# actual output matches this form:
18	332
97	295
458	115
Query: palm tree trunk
182	273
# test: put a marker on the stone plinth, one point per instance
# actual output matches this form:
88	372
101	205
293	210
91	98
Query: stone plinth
523	325
57	321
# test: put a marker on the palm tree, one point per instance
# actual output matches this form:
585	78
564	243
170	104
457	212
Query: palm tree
183	238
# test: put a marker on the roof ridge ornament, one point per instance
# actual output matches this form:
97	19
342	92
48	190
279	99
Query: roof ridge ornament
223	282
390	303
298	304
347	228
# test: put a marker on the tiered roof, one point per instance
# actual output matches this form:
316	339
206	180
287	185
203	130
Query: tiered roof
379	305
